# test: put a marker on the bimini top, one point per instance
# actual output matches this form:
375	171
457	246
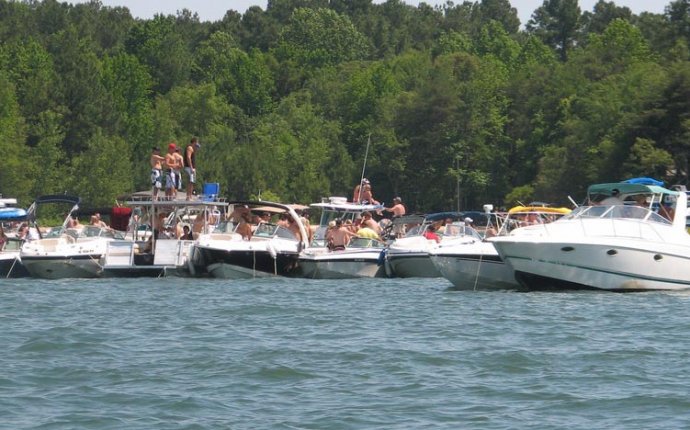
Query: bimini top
626	188
541	209
58	198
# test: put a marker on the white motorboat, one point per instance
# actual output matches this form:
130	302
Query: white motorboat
361	258
154	248
473	262
65	252
408	257
271	249
616	247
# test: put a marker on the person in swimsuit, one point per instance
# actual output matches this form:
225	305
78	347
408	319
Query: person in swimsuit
190	165
156	171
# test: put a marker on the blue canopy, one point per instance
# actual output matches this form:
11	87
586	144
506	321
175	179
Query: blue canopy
645	181
12	214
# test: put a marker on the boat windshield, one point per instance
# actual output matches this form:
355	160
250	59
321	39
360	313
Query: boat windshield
364	242
617	212
459	229
269	230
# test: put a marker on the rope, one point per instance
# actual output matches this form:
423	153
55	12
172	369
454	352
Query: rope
11	268
476	276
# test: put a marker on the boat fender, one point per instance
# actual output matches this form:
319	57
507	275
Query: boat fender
382	257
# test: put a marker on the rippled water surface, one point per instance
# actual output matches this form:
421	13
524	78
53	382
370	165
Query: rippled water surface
359	354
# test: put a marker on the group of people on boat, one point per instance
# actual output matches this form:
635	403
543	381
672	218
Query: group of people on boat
170	167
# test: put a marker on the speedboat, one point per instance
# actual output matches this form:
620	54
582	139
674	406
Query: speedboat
65	252
408	256
473	262
361	258
153	248
625	246
270	249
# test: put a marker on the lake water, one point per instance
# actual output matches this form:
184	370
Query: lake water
355	354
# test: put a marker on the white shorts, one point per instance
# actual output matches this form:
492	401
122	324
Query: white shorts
191	174
156	178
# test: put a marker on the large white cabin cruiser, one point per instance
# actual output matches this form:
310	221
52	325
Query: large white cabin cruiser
360	259
613	244
474	264
65	252
271	249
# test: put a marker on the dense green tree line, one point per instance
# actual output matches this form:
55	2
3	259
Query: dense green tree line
461	105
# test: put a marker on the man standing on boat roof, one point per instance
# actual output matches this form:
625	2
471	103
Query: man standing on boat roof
171	176
190	164
156	162
178	170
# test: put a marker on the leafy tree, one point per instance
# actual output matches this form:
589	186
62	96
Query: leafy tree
156	44
13	178
243	78
499	11
102	171
319	37
604	13
557	23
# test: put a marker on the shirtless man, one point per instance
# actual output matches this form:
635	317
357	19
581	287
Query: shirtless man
170	177
189	160
368	222
338	237
398	209
156	172
178	170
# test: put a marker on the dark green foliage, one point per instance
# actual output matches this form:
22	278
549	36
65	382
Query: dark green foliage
460	107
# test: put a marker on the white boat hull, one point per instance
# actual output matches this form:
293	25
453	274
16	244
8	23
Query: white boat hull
412	265
82	266
322	264
475	266
620	267
232	271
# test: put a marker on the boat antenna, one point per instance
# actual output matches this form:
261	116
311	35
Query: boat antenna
573	202
364	168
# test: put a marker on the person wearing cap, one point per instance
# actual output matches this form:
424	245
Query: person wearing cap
156	162
397	209
190	165
170	177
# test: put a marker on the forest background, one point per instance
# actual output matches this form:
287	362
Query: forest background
462	105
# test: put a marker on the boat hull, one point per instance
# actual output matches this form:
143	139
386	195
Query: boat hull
475	271
244	263
60	267
544	265
412	265
340	269
357	263
12	267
